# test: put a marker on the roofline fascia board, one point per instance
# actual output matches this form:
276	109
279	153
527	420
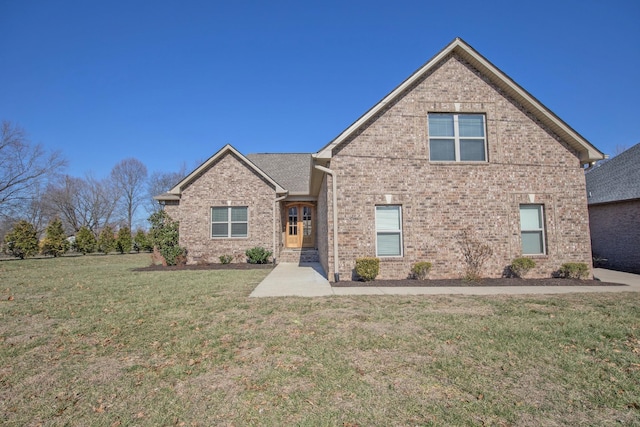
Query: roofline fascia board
529	99
301	198
228	148
167	197
325	152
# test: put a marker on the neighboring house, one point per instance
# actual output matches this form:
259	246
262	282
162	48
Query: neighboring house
613	194
458	146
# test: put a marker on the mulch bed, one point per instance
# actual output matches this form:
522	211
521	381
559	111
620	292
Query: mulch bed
392	283
232	266
483	282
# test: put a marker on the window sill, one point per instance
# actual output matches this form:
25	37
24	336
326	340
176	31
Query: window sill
452	163
229	238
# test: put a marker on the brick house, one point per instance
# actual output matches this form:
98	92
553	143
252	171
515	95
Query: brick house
613	194
458	146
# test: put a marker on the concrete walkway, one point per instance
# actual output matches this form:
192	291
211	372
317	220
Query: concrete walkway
309	280
292	279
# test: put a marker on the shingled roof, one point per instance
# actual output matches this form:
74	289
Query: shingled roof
615	180
290	170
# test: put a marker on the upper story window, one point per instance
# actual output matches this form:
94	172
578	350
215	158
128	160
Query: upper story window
457	137
229	221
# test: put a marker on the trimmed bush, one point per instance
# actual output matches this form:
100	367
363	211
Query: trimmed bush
55	240
85	242
574	270
225	259
420	270
106	240
257	255
124	241
141	242
521	266
22	240
367	268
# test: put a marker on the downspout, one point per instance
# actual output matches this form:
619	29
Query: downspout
336	274
275	231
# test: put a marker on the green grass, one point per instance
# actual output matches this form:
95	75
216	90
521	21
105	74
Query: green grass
86	341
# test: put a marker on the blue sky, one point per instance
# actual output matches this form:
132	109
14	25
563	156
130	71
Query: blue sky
171	82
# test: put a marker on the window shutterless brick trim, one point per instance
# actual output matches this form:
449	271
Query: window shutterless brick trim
458	143
532	229
227	217
388	226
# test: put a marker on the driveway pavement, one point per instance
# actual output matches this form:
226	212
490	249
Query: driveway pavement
309	280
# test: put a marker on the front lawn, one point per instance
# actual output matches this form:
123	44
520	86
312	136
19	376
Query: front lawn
87	341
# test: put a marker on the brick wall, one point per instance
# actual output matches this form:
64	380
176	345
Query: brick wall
228	182
615	234
323	228
387	161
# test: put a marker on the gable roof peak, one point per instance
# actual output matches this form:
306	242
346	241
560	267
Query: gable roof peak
588	153
227	149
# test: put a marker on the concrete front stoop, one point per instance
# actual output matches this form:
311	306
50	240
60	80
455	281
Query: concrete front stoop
298	256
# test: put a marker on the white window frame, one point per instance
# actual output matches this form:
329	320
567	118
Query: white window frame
456	137
229	223
389	231
541	230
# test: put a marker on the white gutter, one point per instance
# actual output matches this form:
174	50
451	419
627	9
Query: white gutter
275	231
336	274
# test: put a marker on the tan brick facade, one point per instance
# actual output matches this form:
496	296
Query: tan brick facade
532	157
387	162
227	182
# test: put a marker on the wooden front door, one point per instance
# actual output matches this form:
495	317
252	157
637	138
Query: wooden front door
300	231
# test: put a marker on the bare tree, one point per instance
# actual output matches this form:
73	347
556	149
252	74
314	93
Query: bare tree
129	179
620	148
82	202
32	210
63	198
36	211
23	167
161	182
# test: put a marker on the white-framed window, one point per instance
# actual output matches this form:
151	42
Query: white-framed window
389	231
457	137
532	229
229	221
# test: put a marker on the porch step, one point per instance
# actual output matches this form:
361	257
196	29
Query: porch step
299	255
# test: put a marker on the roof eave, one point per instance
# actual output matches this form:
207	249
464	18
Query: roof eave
166	197
326	151
177	189
588	152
